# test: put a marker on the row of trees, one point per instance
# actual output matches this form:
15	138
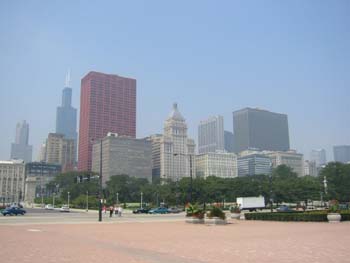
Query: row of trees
283	185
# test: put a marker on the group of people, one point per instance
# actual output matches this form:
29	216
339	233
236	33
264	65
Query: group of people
117	210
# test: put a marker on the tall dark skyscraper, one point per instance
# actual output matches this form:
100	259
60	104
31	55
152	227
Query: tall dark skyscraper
341	153
107	104
260	129
66	116
229	141
20	149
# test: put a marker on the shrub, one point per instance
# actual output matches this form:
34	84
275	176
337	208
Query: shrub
216	212
312	216
194	211
235	208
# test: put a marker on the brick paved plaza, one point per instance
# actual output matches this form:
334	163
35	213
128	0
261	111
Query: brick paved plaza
175	242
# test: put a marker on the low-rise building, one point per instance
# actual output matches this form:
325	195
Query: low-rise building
12	178
290	158
123	155
310	168
253	164
218	164
38	175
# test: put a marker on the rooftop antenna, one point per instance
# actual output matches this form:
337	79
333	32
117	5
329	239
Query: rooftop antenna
67	84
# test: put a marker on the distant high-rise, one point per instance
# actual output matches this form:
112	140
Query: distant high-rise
341	153
176	149
107	104
66	115
229	141
319	157
260	129
211	135
20	149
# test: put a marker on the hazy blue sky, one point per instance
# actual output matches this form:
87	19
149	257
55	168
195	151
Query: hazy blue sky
212	57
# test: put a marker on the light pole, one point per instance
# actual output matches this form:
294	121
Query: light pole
270	186
53	200
87	201
117	198
141	199
68	199
41	185
100	186
191	177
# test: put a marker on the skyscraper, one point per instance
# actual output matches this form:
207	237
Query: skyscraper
260	129
211	135
107	104
341	153
176	149
66	115
319	157
20	149
229	141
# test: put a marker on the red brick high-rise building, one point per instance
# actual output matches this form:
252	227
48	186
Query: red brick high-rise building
107	104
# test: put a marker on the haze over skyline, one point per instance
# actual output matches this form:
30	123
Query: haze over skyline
210	58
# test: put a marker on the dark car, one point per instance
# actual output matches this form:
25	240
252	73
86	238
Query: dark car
159	210
141	211
174	210
13	211
284	208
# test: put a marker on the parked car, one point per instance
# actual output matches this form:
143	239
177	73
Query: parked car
159	210
174	210
64	208
13	211
284	208
141	211
49	207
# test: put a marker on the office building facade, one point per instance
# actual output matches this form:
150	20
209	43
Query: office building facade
219	164
341	153
229	141
20	149
319	157
260	129
107	104
38	175
12	179
60	150
176	149
291	158
211	135
253	164
310	168
123	155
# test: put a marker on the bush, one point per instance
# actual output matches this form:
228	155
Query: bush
194	211
216	212
312	216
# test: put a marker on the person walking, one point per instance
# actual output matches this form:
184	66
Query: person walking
120	210
115	210
111	209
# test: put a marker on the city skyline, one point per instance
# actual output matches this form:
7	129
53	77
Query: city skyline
283	72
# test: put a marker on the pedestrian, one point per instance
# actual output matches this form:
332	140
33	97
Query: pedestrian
104	209
120	210
115	210
111	209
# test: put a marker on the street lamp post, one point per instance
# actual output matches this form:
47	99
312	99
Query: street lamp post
141	199
53	200
270	186
100	186
41	185
117	198
68	198
87	201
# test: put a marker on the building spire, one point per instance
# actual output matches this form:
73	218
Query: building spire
67	84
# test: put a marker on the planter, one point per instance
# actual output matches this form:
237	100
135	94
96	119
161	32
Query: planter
333	217
235	215
215	221
194	220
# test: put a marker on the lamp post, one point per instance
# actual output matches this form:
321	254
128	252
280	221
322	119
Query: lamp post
117	198
270	186
41	185
141	199
191	177
53	200
68	198
87	201
100	186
